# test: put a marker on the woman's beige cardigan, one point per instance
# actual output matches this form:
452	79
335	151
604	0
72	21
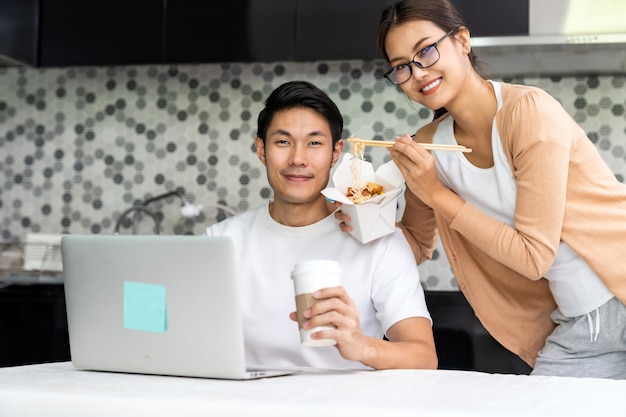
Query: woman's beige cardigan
565	191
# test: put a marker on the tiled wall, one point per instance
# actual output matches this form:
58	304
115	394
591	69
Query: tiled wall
78	146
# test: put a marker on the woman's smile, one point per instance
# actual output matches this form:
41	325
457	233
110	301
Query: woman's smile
428	88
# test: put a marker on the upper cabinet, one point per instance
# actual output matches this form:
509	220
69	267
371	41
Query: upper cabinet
45	33
494	17
76	32
119	32
112	32
337	29
230	30
348	29
19	29
271	30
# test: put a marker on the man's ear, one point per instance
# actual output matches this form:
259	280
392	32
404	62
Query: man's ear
260	149
337	152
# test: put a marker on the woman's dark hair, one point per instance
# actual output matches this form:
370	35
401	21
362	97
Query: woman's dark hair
441	12
295	94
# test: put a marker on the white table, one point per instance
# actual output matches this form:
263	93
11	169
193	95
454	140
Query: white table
57	389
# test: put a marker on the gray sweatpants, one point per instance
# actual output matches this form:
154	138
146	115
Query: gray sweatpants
592	345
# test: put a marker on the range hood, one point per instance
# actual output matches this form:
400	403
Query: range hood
565	37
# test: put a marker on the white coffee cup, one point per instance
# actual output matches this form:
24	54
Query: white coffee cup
308	277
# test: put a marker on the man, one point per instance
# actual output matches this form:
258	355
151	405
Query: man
299	140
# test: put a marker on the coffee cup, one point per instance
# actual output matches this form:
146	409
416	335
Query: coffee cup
308	277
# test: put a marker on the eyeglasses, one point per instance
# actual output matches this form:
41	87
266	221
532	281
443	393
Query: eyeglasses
427	58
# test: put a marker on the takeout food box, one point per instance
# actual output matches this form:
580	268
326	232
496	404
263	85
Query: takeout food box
375	217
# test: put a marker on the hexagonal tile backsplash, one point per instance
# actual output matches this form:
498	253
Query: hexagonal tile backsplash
79	146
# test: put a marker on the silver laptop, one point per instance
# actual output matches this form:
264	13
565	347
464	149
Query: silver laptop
150	304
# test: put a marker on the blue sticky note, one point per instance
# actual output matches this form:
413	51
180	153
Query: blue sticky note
145	307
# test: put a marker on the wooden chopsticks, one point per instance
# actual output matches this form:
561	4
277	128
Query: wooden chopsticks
428	146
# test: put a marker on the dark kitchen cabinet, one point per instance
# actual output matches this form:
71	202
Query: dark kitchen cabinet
495	17
112	32
46	33
18	29
33	325
347	29
331	29
461	340
227	31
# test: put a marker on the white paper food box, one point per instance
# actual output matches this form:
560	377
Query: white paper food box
375	217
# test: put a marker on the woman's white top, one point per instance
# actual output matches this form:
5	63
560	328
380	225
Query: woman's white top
576	288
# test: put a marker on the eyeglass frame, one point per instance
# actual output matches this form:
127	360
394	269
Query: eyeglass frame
413	61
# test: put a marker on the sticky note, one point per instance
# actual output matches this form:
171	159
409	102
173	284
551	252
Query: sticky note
145	307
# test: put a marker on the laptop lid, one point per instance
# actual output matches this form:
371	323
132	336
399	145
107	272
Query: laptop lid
154	304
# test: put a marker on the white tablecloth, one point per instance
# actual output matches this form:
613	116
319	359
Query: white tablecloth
57	389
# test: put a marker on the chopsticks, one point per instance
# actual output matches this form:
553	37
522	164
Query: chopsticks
427	146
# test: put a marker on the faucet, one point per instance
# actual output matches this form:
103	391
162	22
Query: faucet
187	210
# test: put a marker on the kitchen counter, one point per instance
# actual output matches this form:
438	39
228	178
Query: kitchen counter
58	389
30	279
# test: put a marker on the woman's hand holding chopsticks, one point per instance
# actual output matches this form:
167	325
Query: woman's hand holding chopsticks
427	146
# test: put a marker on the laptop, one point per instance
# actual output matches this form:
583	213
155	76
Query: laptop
154	304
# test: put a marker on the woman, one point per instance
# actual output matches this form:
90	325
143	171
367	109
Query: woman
533	200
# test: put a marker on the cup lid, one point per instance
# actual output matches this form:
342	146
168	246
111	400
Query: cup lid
316	265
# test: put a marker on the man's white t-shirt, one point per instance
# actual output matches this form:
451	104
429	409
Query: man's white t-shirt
381	277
